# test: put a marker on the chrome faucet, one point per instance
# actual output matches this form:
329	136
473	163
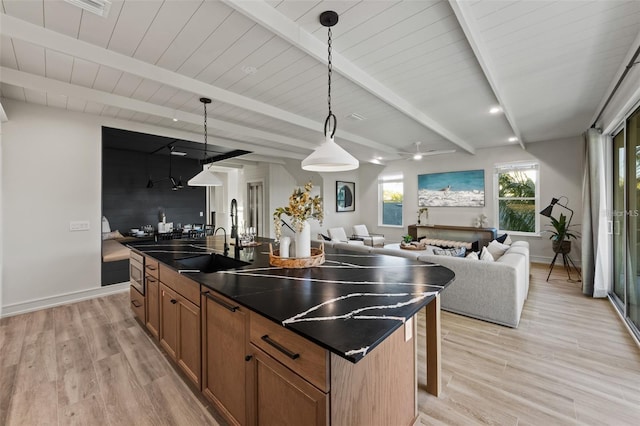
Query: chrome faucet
234	227
226	246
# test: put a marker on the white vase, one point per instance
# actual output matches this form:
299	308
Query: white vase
285	242
303	241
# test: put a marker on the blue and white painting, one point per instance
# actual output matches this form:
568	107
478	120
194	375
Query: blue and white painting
451	189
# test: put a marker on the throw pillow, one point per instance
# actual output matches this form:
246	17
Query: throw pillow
473	255
324	237
497	249
453	252
504	239
485	255
111	235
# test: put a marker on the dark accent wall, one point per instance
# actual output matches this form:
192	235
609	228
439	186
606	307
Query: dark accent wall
128	203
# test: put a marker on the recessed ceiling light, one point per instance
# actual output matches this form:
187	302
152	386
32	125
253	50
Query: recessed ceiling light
513	139
178	153
175	119
248	69
379	158
99	7
417	156
495	110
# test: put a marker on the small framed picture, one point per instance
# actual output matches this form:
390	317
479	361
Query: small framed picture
345	196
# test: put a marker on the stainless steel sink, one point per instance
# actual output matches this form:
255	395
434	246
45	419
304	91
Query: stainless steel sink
208	263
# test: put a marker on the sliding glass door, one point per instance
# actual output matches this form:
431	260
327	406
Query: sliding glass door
619	219
633	195
626	220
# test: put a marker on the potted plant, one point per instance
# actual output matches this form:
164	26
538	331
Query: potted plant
561	235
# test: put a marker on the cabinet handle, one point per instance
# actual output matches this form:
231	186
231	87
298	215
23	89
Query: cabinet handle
248	358
153	280
174	301
221	302
282	349
135	303
153	268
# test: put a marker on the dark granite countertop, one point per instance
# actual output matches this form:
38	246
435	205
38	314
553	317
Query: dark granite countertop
348	305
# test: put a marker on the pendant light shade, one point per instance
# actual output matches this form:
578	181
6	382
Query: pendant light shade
329	156
205	177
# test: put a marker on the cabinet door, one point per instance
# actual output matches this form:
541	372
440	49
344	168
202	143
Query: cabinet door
224	334
188	349
153	305
168	320
281	397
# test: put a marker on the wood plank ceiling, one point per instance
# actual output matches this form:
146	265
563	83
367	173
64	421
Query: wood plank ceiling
423	70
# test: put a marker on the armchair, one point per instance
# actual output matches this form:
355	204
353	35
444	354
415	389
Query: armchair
338	235
373	240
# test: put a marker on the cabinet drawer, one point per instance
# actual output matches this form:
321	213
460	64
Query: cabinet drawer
151	267
137	303
299	354
187	288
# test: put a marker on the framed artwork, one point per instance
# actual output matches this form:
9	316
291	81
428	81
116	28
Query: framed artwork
345	196
451	189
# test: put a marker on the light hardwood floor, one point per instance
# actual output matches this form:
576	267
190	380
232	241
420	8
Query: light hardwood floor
570	361
90	363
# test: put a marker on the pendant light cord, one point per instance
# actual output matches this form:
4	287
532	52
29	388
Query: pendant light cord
329	71
205	132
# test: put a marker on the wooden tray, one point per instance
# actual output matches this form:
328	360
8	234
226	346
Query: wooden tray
412	247
316	259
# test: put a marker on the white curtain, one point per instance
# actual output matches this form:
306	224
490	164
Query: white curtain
596	263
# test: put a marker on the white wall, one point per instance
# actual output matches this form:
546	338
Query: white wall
51	175
561	165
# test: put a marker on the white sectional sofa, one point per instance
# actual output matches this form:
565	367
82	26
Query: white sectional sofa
490	291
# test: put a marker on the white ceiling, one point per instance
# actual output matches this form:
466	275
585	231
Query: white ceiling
416	70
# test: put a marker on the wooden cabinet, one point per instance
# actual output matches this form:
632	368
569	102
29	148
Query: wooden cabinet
224	356
152	296
180	331
289	378
281	397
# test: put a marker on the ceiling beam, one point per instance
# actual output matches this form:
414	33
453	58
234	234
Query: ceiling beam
471	32
56	87
268	17
23	30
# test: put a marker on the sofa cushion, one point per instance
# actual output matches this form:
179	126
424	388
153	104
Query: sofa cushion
473	255
497	249
485	255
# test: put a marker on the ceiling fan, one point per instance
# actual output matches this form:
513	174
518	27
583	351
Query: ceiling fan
417	155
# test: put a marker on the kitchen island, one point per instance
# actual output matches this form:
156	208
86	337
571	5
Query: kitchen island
332	344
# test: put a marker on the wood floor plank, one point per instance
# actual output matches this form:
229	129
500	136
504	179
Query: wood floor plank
37	363
7	382
175	403
34	406
67	322
86	412
123	396
102	341
145	359
76	376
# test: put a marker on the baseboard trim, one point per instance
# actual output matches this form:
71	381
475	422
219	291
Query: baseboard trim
548	259
61	299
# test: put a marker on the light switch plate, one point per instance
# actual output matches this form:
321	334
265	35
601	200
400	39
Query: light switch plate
79	225
408	329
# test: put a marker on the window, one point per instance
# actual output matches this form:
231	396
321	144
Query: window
518	198
390	194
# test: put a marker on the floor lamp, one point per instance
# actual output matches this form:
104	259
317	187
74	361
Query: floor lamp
566	259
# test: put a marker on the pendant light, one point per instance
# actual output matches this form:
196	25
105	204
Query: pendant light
329	156
205	177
